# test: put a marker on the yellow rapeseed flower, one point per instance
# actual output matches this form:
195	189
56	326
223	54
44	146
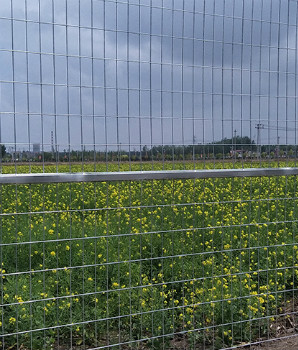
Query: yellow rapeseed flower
12	320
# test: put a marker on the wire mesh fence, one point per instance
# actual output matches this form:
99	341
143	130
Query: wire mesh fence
206	263
128	218
130	83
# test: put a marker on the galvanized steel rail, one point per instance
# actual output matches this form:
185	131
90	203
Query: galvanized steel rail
44	178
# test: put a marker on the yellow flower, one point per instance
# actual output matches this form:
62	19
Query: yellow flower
53	253
12	320
20	300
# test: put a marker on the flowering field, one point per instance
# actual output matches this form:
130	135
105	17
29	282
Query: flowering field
99	264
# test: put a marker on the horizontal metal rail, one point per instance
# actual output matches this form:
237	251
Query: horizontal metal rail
48	178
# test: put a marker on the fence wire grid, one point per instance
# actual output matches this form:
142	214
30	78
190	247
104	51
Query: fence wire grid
148	184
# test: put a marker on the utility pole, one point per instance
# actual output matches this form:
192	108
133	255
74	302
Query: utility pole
259	127
235	146
52	143
0	129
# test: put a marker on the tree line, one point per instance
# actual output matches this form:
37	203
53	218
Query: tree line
236	147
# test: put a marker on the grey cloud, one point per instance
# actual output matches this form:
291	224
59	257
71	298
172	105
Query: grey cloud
236	63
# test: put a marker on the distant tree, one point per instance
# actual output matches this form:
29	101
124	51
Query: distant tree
3	151
145	153
226	145
124	157
48	156
291	153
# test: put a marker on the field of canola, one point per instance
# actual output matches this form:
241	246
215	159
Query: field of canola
106	263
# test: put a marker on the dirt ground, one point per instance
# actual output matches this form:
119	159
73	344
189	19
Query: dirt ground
288	343
284	332
286	328
283	344
282	335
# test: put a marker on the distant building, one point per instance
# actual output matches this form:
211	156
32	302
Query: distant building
36	148
238	153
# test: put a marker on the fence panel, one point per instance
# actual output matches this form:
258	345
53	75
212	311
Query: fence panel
148	174
93	85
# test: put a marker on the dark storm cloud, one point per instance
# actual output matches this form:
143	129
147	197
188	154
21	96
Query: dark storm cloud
215	64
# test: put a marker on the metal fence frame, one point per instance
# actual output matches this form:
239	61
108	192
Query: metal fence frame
133	90
48	178
129	178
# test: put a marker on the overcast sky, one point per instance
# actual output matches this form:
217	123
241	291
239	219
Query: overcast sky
147	71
